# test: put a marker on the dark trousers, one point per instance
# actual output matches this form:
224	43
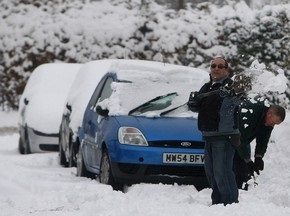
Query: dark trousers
219	156
241	171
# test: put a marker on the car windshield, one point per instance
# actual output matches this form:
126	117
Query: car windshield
158	103
150	91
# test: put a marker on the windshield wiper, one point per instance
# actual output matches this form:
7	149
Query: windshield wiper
150	104
170	110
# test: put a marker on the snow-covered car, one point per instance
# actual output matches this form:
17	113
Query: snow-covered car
41	106
137	126
79	94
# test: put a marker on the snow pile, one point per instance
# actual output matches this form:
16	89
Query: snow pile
264	81
47	189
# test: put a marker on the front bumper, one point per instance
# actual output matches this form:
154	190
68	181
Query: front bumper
42	142
167	174
135	164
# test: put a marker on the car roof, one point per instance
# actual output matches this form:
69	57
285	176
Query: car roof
88	77
46	91
85	82
91	73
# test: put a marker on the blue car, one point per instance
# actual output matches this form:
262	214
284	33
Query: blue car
137	127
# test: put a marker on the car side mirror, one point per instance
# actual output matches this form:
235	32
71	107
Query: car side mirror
102	112
68	107
26	101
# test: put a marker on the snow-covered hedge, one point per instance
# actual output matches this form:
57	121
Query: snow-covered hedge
33	32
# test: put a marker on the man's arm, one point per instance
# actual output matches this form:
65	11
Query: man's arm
262	140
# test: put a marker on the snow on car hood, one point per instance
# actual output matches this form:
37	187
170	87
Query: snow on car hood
142	83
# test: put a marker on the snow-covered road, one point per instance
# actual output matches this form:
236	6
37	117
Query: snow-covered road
36	184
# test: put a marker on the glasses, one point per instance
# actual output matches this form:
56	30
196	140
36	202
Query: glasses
220	66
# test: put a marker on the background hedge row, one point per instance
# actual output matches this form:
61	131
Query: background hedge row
33	32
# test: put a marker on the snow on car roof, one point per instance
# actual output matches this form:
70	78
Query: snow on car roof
92	72
82	89
46	91
87	79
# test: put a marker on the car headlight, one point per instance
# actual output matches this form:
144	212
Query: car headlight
131	136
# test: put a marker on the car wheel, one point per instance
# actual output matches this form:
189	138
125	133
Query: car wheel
62	159
106	176
20	146
81	167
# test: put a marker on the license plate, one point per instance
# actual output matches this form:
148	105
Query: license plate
183	158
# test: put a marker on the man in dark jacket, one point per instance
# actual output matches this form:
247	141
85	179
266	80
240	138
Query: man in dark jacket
256	121
217	108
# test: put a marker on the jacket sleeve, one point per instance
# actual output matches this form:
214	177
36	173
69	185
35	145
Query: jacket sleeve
194	100
262	140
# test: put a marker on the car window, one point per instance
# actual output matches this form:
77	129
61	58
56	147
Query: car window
102	91
107	90
134	86
96	93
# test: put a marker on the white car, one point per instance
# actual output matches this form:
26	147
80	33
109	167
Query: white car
41	106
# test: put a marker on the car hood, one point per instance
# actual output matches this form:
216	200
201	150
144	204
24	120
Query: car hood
163	128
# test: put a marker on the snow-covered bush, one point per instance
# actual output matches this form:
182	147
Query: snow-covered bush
33	32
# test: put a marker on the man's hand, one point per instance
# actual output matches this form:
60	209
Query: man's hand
259	163
253	168
226	92
193	102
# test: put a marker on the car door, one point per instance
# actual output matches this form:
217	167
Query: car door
93	126
88	129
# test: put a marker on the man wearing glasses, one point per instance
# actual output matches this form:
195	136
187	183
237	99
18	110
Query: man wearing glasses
217	107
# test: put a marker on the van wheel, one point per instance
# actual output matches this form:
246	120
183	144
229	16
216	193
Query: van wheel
62	159
20	146
72	155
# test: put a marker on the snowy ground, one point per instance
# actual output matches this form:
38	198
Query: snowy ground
36	184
